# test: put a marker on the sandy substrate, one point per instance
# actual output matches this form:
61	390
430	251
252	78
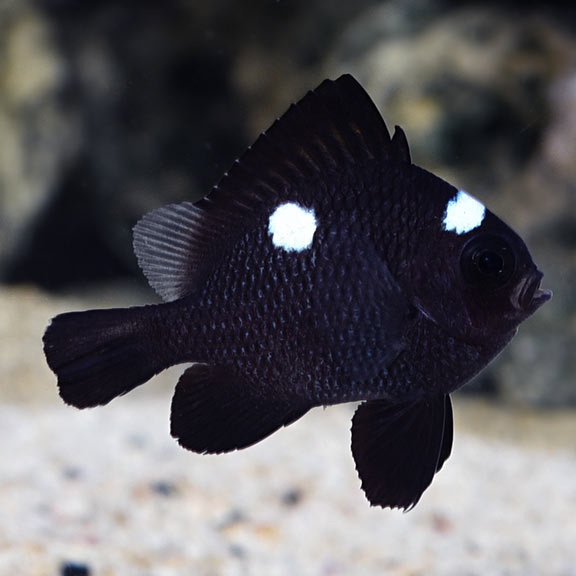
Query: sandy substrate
109	488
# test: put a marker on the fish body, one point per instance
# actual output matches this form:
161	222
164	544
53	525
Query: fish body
324	268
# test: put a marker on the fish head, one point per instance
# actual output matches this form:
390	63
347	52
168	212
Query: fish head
472	274
498	278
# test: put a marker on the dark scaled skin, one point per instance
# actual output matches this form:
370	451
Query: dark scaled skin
385	305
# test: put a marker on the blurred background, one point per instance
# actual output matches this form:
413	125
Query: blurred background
111	108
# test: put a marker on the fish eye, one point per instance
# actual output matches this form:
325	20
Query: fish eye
487	261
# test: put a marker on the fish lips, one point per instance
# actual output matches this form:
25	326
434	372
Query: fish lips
527	296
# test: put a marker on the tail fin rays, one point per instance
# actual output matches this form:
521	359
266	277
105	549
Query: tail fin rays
101	354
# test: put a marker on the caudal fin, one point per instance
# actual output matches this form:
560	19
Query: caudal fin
100	354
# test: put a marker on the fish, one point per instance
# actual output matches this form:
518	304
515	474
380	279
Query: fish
324	268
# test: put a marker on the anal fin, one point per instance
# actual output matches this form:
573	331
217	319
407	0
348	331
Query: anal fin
398	447
216	410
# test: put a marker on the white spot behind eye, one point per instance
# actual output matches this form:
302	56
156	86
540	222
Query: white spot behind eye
463	213
292	227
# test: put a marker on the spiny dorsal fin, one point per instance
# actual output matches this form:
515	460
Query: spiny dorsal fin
330	129
400	147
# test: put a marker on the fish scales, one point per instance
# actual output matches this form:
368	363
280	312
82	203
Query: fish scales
263	315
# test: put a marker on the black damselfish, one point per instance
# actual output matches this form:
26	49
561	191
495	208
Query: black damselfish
324	268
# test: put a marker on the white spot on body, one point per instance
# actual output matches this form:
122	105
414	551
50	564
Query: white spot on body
292	227
463	213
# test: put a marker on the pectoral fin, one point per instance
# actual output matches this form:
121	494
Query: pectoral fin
216	410
399	447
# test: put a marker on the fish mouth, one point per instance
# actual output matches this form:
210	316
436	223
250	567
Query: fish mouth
528	296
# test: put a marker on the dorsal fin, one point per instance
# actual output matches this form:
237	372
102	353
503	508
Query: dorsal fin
400	147
330	129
